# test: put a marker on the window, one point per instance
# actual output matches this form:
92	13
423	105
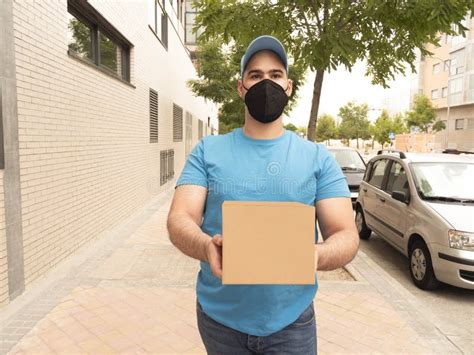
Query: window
190	20
94	40
457	62
166	165
153	116
444	92
200	129
455	91
397	179
177	123
434	94
158	20
460	123
436	68
470	123
377	173
447	64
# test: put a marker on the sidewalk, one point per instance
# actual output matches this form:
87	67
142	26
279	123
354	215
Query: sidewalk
132	292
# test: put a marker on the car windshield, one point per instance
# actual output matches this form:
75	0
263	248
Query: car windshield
348	159
444	181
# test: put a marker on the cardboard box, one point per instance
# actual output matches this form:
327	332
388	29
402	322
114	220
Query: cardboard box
268	243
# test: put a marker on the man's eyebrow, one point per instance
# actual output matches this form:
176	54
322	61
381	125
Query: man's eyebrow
258	71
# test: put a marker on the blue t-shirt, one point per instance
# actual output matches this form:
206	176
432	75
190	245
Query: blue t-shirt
235	166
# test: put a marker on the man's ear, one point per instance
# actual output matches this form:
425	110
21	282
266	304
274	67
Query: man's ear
240	88
289	91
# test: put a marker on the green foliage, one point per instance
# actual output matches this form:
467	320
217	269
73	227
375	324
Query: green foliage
439	126
382	128
385	124
422	115
322	35
81	42
326	128
291	127
354	122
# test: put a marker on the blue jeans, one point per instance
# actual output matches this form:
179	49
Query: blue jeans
297	338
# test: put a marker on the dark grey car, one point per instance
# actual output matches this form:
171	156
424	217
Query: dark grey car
353	167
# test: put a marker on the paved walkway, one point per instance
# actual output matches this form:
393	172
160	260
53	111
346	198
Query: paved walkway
132	292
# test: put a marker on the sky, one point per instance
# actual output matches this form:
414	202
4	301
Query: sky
342	86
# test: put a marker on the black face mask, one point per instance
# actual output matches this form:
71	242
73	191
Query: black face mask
266	100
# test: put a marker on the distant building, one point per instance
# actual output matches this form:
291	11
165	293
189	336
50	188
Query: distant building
96	120
447	79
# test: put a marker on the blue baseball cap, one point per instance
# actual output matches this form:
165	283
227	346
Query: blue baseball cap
263	43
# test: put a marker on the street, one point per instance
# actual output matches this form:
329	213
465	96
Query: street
450	308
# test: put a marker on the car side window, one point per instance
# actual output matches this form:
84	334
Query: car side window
377	173
397	179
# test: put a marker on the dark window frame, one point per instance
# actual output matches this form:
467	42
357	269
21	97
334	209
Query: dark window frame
89	16
164	23
384	178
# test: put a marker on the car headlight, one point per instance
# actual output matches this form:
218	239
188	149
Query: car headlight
461	240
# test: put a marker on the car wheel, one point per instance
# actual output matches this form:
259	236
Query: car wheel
421	267
362	229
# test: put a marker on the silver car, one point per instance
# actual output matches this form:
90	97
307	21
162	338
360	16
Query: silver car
423	205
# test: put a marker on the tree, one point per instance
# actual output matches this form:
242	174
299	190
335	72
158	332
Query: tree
439	126
326	128
398	124
382	128
354	122
422	115
322	35
218	68
291	127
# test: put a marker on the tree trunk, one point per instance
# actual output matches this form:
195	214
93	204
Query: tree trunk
357	143
313	116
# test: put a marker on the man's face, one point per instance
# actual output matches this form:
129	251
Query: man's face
264	65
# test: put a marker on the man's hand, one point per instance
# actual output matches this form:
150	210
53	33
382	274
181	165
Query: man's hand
214	255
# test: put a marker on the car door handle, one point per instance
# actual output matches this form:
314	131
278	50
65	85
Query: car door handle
364	189
381	199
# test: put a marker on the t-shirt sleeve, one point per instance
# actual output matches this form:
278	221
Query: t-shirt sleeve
194	171
331	182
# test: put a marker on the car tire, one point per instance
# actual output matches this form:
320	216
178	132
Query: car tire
362	229
421	267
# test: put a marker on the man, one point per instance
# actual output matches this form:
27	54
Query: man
259	162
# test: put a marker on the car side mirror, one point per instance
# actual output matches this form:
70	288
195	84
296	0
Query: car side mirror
400	196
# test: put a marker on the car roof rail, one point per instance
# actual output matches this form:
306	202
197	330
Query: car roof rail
400	154
455	151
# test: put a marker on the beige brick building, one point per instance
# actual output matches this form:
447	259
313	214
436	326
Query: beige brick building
96	120
447	78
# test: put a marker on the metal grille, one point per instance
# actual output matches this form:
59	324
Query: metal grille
177	123
163	166
166	165
170	162
153	116
200	128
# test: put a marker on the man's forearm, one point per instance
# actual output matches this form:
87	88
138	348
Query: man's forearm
337	250
187	236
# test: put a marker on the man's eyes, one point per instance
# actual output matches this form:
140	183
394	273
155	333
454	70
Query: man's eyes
258	76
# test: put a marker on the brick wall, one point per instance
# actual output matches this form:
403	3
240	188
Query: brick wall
86	162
